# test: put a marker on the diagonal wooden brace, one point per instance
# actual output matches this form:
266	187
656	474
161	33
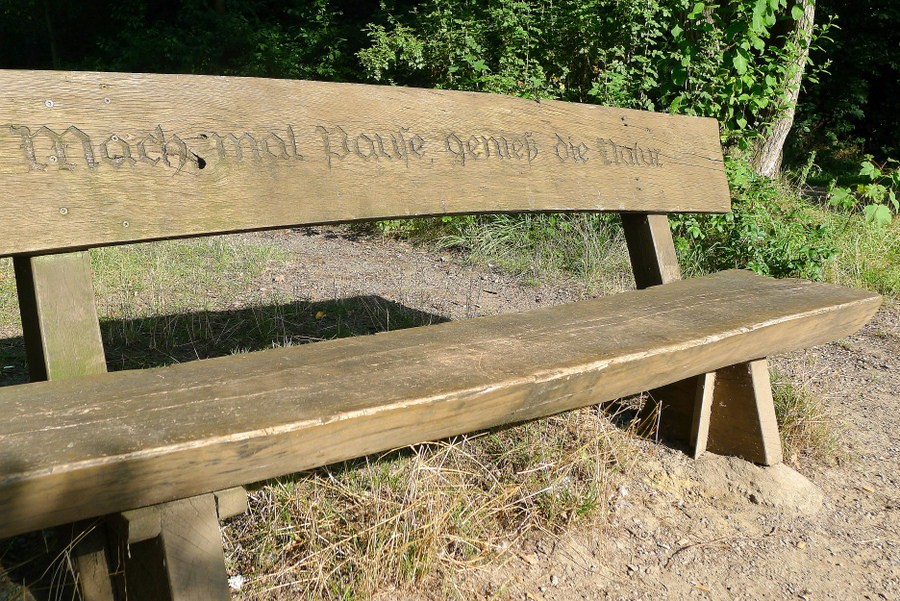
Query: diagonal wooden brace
734	414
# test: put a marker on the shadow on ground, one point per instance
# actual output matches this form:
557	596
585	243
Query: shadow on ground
39	559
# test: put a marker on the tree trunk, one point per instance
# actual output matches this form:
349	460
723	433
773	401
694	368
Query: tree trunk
768	150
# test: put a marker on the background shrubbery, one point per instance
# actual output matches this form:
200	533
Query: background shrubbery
731	61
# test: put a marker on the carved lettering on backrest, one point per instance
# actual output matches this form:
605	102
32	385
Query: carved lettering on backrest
58	145
237	145
332	144
485	147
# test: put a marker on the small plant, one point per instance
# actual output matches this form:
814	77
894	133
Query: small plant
878	191
768	231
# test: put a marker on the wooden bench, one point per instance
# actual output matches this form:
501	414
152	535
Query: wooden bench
94	159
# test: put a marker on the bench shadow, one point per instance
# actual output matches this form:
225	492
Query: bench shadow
38	559
156	341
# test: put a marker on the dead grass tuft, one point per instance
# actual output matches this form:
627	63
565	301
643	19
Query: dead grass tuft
425	514
808	431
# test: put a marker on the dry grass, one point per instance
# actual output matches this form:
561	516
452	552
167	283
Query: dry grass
808	431
427	514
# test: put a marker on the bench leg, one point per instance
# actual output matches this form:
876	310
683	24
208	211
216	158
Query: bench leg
91	561
730	412
177	551
735	414
653	262
173	551
62	340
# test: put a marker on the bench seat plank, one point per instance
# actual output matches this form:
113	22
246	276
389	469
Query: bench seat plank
79	448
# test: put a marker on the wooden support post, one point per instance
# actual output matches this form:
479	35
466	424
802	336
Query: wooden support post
175	549
741	415
729	412
653	261
62	340
651	249
59	316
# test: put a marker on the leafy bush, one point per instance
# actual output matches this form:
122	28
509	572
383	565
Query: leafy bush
768	231
726	61
878	191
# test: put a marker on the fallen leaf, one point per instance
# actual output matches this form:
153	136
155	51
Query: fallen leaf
321	314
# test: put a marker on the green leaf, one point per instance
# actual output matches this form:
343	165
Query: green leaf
797	12
757	22
869	170
677	31
841	197
742	123
740	63
877	214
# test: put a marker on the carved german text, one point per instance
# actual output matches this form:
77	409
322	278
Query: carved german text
336	144
482	147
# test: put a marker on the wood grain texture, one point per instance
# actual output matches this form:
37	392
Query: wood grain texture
650	249
131	439
742	414
59	316
192	547
175	552
89	159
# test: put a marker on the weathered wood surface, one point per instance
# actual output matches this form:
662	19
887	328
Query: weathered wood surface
62	340
741	419
651	249
129	439
186	561
59	316
101	158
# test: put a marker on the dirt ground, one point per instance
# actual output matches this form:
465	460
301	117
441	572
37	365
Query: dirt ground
716	528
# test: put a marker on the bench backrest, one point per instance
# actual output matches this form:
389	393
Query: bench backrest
92	159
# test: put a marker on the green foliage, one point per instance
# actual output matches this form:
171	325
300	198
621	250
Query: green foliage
877	194
767	231
726	61
730	61
491	47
